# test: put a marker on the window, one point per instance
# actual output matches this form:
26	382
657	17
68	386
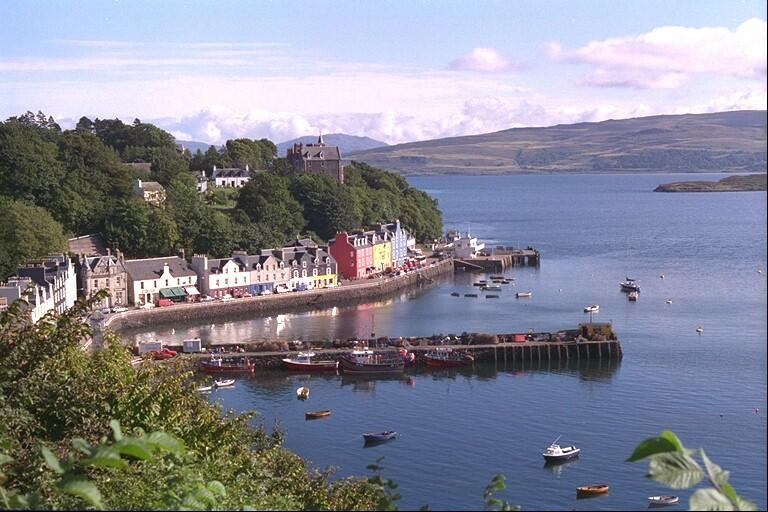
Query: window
154	284
303	273
304	264
217	282
117	281
166	283
95	283
295	273
314	271
107	285
142	285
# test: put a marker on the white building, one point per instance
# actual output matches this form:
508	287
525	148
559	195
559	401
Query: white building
221	276
39	298
467	247
153	279
201	184
231	176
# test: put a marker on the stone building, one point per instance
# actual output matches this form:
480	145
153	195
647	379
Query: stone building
317	159
104	273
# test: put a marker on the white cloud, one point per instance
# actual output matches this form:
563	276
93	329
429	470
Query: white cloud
483	59
666	56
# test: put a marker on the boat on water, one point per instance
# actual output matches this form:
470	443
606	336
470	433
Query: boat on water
236	366
497	278
633	296
492	288
521	295
455	294
379	437
204	389
555	452
368	362
662	501
313	415
447	358
224	383
630	285
470	295
491	296
303	362
302	393
591	490
594	308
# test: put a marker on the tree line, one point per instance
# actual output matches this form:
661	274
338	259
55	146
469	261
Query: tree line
56	184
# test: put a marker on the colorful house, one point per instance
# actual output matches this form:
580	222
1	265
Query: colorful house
153	279
398	237
353	254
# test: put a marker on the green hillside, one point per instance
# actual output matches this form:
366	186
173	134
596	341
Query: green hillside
723	141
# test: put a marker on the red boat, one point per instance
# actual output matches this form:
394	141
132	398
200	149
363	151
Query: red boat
447	358
303	363
217	365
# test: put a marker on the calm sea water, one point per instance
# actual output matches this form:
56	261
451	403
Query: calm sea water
459	428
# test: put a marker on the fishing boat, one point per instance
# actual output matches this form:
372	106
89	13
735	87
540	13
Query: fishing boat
630	285
594	308
591	490
303	362
662	501
633	296
521	295
366	362
224	383
379	437
217	365
302	393
555	452
492	288
204	389
447	358
313	415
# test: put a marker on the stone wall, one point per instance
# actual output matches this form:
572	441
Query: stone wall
359	291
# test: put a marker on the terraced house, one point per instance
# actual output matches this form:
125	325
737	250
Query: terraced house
219	277
353	254
398	238
309	267
153	279
267	271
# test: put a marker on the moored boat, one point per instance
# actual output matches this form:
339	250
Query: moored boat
367	362
591	490
593	308
302	393
661	501
224	383
204	389
304	362
217	365
521	295
447	358
630	285
491	288
313	415
555	452
379	437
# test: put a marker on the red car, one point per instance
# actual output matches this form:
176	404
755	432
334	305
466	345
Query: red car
163	354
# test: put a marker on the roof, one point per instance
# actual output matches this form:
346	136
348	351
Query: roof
321	153
110	260
152	268
231	172
90	245
152	186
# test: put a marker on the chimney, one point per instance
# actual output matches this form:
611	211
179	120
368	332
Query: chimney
247	169
109	251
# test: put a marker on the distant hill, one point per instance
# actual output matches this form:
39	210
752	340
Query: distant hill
724	141
749	183
346	143
193	146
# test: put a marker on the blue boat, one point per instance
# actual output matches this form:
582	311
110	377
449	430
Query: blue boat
379	437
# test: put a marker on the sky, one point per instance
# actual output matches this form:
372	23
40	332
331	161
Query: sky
396	71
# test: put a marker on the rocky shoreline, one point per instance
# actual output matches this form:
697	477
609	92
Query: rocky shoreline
749	183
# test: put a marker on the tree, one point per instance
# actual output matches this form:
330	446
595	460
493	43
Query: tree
28	233
267	200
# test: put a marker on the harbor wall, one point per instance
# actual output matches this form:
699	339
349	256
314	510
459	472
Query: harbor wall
346	294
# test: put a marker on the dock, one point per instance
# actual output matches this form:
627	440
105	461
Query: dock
499	259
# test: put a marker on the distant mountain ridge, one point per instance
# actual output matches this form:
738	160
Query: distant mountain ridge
346	143
193	146
723	141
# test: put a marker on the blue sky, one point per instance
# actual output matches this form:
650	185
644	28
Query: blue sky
395	71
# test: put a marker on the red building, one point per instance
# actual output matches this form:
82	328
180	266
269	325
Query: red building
353	254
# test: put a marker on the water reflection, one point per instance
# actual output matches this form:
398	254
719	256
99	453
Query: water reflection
367	383
556	467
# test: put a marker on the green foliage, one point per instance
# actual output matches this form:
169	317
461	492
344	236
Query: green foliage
267	200
675	466
28	233
491	503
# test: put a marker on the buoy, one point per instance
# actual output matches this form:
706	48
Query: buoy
757	410
661	276
669	301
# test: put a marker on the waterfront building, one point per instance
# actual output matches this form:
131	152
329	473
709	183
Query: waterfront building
39	298
398	237
266	270
58	271
150	191
317	159
234	177
104	273
353	254
221	276
153	279
309	267
382	250
467	246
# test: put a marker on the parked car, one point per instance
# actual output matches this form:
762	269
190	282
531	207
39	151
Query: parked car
119	309
246	294
206	298
148	305
164	302
105	311
225	298
266	292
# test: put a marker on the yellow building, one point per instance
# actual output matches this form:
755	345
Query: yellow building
322	281
382	255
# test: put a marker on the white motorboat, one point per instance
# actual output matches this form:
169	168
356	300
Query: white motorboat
224	383
302	393
594	308
204	389
555	452
660	501
521	295
630	285
491	288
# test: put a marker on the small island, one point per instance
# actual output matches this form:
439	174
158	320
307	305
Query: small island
749	183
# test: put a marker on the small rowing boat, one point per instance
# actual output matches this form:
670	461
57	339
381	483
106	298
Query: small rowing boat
313	415
379	437
204	389
224	383
662	501
591	490
521	295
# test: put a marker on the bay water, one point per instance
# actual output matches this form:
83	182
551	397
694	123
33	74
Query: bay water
458	428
